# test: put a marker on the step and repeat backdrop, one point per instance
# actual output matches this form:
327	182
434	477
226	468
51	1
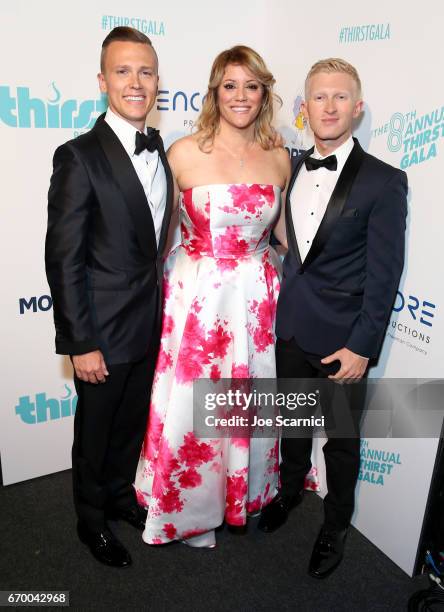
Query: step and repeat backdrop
49	94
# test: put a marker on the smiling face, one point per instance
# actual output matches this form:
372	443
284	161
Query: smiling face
239	97
332	103
130	79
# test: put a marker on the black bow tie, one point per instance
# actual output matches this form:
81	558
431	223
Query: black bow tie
147	141
330	162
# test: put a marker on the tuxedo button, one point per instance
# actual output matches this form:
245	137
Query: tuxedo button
300	271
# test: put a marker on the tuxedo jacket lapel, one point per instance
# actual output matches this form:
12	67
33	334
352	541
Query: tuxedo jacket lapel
336	202
131	188
291	235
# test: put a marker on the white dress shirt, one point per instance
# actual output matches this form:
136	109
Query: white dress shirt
148	167
310	195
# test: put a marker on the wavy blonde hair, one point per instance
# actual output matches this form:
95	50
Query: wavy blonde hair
207	123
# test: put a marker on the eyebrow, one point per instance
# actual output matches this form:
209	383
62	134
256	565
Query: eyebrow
249	80
322	91
141	67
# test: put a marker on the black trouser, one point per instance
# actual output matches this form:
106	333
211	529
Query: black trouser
109	427
342	455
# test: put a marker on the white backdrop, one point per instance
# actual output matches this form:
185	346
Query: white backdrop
49	94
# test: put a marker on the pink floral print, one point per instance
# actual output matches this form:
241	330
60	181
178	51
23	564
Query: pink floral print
221	287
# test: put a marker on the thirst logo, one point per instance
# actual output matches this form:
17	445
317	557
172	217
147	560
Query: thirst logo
19	109
415	138
376	465
40	409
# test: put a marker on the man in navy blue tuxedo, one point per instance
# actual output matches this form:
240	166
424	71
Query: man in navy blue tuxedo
345	219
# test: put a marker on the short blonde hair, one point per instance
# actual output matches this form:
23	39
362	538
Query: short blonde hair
334	64
207	124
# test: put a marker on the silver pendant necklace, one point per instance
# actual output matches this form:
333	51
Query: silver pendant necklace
241	159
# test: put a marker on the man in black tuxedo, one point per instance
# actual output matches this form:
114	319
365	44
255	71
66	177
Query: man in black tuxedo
109	206
345	217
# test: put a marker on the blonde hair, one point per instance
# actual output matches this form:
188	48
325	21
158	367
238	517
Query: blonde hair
334	64
208	121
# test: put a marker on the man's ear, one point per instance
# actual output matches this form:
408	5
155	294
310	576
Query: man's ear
359	107
102	83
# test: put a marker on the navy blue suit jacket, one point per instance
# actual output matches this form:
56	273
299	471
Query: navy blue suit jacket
343	292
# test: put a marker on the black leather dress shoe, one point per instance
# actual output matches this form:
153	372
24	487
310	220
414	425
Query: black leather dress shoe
327	553
104	546
135	516
275	514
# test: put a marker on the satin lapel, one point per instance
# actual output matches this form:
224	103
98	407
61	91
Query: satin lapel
291	235
336	202
130	187
169	198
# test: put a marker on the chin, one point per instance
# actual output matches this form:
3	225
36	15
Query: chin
244	123
328	136
137	117
240	120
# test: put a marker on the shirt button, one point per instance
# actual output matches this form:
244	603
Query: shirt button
317	185
312	213
308	241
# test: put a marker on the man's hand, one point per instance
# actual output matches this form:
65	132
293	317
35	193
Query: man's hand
90	367
352	368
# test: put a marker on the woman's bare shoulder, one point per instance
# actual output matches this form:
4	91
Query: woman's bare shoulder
184	146
280	155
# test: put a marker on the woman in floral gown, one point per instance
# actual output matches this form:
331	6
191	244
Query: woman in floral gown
221	289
